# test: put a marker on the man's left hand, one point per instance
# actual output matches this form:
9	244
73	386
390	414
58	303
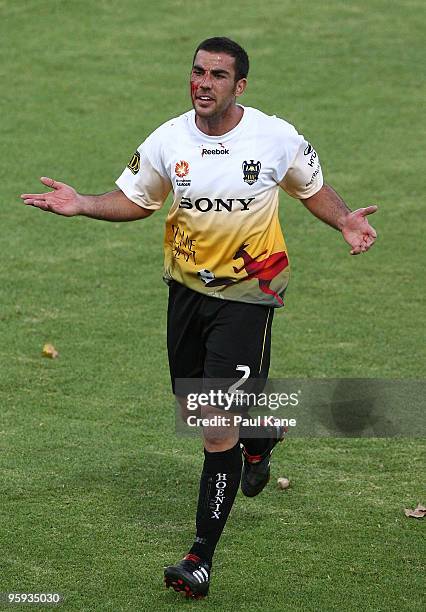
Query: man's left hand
357	231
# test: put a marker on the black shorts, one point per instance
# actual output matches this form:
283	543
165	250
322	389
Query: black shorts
211	338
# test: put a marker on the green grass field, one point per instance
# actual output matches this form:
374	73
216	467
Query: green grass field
97	492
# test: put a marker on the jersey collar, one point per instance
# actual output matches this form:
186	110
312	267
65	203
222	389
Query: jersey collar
223	137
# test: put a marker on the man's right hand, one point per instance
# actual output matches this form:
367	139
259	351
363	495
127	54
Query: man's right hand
63	200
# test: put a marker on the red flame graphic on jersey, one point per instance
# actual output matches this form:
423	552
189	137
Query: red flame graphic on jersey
182	168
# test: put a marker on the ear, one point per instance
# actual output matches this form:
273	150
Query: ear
240	87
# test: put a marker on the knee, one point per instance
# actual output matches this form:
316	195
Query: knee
215	439
218	435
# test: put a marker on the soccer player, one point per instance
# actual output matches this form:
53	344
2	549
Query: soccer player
225	262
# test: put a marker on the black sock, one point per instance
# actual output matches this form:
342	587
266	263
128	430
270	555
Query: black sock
219	484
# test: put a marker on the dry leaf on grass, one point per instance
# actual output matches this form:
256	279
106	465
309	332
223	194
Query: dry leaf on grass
418	512
49	351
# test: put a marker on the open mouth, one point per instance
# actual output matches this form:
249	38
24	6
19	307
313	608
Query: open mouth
205	99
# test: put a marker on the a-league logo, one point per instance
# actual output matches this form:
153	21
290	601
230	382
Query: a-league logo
251	171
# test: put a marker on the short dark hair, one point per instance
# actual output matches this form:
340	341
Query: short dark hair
230	47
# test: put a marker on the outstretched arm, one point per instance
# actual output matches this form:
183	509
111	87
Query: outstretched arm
328	206
64	200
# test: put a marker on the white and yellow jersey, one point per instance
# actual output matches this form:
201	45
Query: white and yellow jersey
223	237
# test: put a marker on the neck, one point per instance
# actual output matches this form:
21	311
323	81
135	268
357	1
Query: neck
219	125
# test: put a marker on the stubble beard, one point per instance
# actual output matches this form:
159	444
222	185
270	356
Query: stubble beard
214	115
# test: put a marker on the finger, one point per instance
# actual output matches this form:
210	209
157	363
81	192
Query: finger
42	204
50	182
370	241
369	245
369	233
364	246
35	196
31	201
368	210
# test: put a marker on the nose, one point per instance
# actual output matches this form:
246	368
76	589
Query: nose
206	81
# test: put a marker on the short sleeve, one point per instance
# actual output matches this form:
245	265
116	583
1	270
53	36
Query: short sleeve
304	177
144	181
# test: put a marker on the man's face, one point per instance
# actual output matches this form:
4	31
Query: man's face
213	86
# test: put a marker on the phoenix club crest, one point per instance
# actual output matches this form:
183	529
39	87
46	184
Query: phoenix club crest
251	171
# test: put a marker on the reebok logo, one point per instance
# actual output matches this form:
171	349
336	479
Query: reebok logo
214	152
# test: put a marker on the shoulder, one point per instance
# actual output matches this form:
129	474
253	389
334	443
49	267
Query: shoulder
157	145
272	125
282	138
171	128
